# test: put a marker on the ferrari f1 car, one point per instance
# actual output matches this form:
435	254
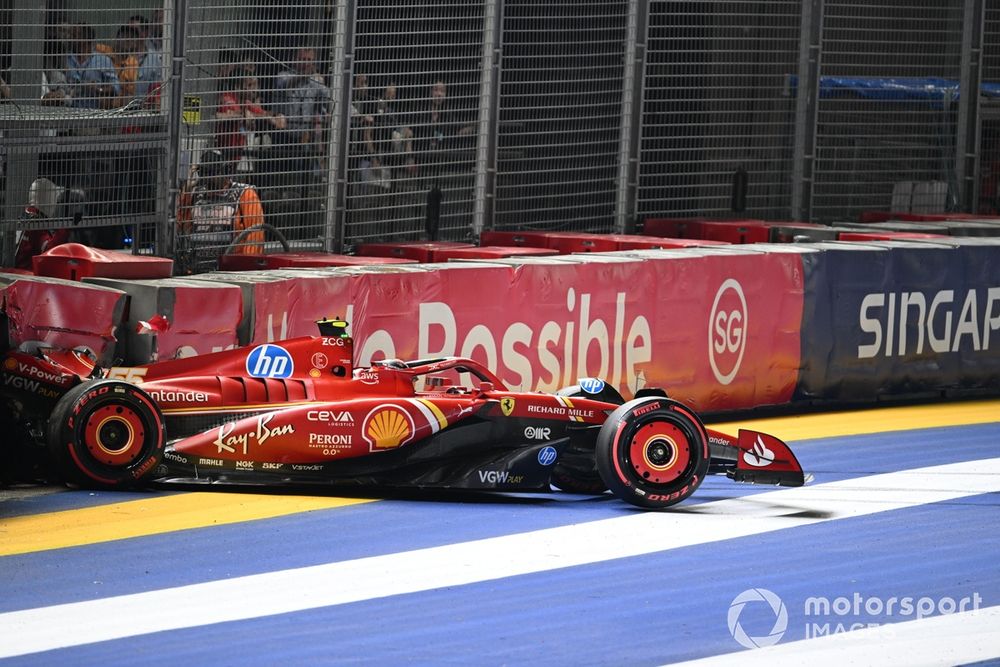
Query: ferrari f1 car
298	413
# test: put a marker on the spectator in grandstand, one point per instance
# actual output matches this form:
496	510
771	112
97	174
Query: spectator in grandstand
363	164
213	210
43	201
305	100
4	90
90	75
388	132
55	90
150	65
435	129
232	62
241	118
363	101
124	52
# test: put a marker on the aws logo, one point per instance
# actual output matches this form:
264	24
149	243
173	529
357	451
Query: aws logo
387	427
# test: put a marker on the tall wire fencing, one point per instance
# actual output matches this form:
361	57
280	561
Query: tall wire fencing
198	128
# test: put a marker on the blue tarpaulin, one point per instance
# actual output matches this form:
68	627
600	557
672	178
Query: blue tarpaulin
891	88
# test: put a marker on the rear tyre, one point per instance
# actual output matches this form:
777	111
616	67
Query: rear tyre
652	452
106	434
576	471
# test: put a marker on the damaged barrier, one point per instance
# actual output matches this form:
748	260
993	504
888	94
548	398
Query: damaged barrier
721	328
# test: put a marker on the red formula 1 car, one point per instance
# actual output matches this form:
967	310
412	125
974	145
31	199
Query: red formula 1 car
297	413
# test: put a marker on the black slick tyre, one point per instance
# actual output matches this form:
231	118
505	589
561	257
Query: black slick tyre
106	434
653	452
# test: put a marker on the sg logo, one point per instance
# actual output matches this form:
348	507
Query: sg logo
727	331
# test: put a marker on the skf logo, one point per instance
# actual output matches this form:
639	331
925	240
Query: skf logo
269	361
387	427
727	331
507	405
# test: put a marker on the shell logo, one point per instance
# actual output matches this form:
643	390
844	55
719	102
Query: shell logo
10	364
387	427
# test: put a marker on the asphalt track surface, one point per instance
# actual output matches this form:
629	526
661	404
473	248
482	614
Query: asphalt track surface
890	556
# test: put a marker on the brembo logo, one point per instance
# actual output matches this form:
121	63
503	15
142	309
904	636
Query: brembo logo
727	331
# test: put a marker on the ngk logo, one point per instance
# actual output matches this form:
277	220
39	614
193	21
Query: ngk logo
727	331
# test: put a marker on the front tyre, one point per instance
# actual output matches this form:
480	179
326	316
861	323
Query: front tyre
652	452
106	434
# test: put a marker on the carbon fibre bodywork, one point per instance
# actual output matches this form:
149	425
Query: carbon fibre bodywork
297	412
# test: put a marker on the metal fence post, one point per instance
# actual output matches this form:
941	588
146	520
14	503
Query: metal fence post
167	230
631	115
806	107
486	144
967	133
337	146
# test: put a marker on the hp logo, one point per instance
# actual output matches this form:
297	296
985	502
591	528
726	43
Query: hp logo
269	361
592	385
547	455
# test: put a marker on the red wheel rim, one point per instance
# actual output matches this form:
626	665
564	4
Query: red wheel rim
114	435
660	452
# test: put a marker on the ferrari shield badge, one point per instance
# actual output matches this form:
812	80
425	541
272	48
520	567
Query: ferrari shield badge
507	405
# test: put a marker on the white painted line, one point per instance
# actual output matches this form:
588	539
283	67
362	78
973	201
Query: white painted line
73	624
949	639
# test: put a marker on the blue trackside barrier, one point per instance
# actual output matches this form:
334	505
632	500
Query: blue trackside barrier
896	319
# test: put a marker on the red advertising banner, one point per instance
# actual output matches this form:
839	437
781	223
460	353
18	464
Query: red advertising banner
263	295
717	331
63	314
201	317
204	319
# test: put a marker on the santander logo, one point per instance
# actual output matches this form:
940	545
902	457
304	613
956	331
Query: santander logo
760	457
727	331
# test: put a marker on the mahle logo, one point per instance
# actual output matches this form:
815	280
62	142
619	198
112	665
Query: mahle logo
727	331
751	596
